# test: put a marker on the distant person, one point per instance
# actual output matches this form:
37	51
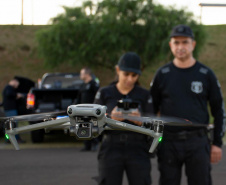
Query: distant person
87	94
10	97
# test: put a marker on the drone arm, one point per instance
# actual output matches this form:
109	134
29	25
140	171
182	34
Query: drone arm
38	126
117	125
12	132
114	124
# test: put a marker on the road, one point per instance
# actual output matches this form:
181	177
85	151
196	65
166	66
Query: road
61	163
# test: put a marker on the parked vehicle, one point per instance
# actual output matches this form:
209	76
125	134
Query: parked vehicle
55	92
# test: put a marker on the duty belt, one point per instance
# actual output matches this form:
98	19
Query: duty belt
124	137
184	134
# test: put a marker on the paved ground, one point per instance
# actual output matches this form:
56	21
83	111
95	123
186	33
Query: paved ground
60	162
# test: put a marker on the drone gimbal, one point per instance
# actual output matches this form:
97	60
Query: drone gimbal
87	121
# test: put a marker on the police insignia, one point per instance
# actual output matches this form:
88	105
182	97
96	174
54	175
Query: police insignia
97	95
197	87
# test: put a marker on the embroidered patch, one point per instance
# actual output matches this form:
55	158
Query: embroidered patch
165	70
197	87
98	95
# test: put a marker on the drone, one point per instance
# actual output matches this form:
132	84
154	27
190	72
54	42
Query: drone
88	121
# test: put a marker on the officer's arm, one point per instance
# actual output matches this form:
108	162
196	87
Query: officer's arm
155	93
99	99
217	110
148	105
10	93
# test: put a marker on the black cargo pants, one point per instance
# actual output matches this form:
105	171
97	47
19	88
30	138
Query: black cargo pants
122	154
193	152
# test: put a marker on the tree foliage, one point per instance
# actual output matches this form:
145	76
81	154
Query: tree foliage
98	34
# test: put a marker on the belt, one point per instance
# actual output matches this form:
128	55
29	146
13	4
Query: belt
184	134
122	138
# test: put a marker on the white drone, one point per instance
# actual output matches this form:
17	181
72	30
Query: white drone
87	121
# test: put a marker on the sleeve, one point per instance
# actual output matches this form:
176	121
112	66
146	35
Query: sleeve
94	87
99	98
148	107
155	93
78	101
10	93
217	110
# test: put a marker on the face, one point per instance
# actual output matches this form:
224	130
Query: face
15	83
182	47
83	75
127	79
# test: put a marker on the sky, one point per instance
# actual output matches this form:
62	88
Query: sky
39	12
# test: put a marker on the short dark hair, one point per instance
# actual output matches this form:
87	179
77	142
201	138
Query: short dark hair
87	70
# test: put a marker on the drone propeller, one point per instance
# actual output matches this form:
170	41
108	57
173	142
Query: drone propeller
168	121
33	117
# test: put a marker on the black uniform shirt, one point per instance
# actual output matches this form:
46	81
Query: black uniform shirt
87	92
185	93
110	95
9	98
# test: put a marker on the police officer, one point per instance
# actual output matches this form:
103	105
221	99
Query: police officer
124	150
87	94
89	88
183	88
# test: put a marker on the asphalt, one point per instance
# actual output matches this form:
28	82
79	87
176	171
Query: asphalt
56	162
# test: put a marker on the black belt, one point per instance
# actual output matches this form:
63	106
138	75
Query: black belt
124	137
184	134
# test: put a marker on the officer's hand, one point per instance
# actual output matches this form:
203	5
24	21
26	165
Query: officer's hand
137	114
19	95
116	115
216	154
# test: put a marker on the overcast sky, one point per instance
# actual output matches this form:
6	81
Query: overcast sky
40	11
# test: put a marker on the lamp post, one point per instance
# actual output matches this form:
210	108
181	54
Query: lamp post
22	13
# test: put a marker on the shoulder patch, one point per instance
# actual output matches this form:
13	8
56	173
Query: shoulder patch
218	83
203	70
97	97
150	100
151	83
165	70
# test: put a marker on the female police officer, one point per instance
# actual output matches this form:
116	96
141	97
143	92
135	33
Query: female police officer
124	150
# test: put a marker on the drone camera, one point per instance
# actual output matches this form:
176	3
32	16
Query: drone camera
85	128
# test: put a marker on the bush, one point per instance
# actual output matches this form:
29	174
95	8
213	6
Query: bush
99	34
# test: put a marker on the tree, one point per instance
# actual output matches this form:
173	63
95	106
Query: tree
99	34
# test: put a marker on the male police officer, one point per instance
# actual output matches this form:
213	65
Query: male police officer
86	95
183	89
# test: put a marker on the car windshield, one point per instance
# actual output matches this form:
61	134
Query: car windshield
61	81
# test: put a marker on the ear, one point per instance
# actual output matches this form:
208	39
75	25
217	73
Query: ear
193	44
170	43
117	69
